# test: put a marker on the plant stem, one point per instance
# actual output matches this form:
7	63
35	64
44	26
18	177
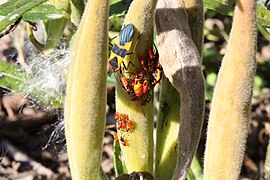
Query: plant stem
167	129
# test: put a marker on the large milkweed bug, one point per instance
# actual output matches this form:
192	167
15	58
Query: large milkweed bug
137	86
152	66
121	48
125	84
140	83
122	140
115	137
123	122
124	126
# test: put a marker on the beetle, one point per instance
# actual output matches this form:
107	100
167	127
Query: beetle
121	48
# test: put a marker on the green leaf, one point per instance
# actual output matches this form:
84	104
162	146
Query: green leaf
219	6
118	8
211	79
77	8
14	9
11	5
258	83
45	12
195	171
263	16
111	80
226	7
120	167
11	76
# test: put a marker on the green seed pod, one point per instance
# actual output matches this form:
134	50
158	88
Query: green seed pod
230	113
85	106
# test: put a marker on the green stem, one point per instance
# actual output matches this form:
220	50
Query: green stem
264	32
167	127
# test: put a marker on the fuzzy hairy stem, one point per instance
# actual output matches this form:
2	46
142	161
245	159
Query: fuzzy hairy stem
230	113
138	154
85	106
182	66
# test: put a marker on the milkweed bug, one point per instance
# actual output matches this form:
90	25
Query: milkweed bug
125	84
123	141
121	48
137	86
129	125
115	137
116	117
123	123
140	86
151	65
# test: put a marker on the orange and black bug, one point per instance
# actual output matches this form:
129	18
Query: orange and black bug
137	86
124	83
129	125
116	117
115	137
151	65
123	141
140	87
121	48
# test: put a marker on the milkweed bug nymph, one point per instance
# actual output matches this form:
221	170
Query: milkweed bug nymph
121	48
123	141
115	137
151	65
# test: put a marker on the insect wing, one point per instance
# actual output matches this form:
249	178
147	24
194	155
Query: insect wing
126	34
